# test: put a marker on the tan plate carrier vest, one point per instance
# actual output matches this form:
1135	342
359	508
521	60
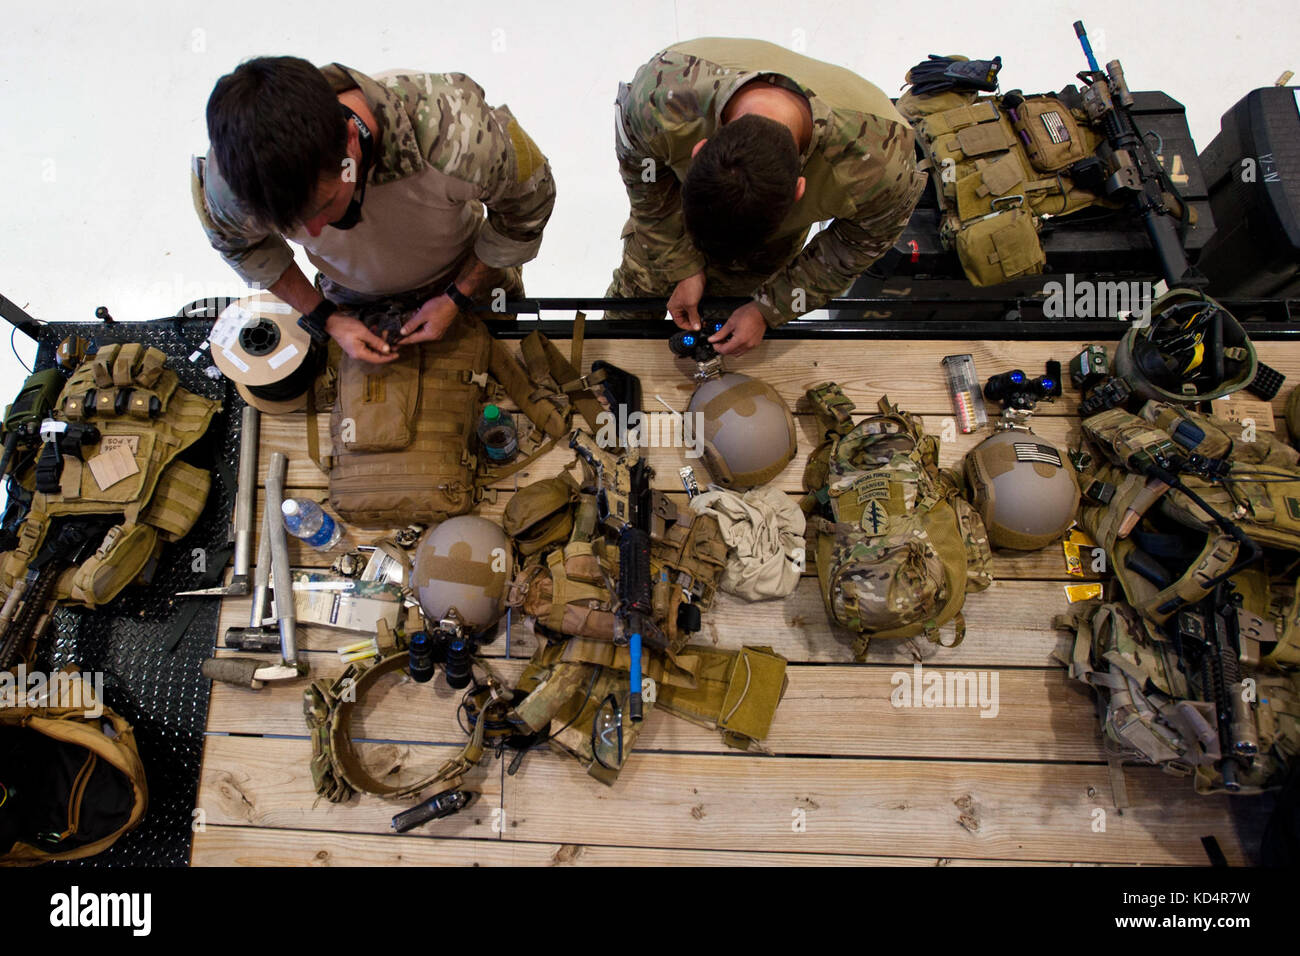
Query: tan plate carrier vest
997	172
159	502
577	666
1267	509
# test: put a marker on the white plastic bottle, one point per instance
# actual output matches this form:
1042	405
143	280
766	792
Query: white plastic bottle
305	519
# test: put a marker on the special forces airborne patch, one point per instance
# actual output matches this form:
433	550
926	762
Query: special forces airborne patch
875	519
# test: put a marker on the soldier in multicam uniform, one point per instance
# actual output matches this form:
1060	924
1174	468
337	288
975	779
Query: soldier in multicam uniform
383	181
730	150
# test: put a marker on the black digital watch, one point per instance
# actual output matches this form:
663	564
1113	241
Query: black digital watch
463	302
314	321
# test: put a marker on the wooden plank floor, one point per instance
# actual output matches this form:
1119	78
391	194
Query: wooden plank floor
846	779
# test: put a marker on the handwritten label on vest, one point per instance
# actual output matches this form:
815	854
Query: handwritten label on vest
108	468
110	442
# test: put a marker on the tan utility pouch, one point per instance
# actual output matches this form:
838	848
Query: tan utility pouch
980	131
540	515
124	555
695	546
1054	138
375	406
1000	247
736	691
178	500
73	784
430	477
1285	654
567	594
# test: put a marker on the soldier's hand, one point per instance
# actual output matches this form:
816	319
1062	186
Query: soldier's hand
742	331
684	303
358	341
431	322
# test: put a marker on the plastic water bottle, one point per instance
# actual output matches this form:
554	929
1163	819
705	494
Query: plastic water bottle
496	429
305	519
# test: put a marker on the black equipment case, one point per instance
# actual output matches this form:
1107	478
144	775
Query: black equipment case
1253	169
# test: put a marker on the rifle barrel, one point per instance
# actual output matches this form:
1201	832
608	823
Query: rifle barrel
1082	34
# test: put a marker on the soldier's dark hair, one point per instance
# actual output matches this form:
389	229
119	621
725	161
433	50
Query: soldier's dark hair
276	127
739	187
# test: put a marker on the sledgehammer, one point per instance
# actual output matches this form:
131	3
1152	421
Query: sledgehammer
245	509
258	635
251	671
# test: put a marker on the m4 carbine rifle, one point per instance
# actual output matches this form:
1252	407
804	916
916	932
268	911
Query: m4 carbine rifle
623	505
1206	639
28	608
1134	171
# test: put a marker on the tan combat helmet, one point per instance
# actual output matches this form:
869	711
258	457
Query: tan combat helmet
1023	487
464	563
749	433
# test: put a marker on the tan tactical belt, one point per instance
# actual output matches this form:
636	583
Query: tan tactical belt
336	769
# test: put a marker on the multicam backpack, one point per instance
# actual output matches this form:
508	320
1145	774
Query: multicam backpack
897	547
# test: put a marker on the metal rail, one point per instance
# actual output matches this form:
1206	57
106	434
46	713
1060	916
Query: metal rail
1022	319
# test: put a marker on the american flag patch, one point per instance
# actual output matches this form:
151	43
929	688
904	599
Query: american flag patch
1056	127
1028	451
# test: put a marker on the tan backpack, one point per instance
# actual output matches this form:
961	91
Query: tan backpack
403	433
70	784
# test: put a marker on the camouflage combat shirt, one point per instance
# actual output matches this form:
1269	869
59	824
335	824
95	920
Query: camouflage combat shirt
441	156
859	165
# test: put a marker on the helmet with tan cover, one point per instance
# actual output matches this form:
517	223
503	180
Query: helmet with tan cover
463	563
749	433
1023	487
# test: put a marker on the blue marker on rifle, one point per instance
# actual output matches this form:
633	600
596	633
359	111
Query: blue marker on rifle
1087	47
634	677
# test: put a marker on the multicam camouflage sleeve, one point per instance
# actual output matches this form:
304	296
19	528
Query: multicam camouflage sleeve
888	186
460	134
658	229
257	255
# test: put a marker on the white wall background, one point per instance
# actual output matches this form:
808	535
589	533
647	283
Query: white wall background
102	104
